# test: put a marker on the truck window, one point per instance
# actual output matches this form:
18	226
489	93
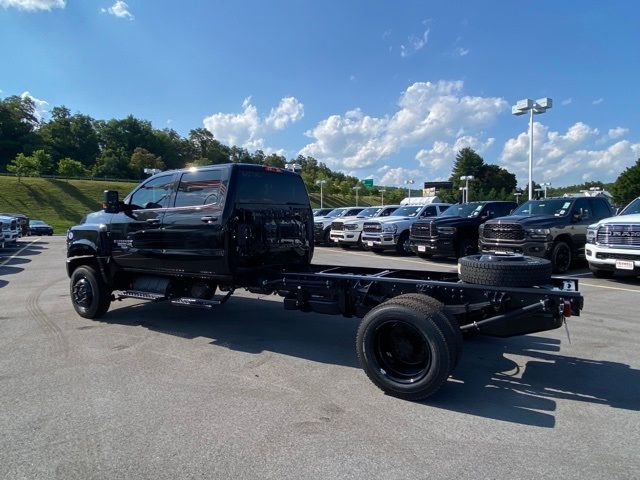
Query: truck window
600	208
582	206
430	212
273	188
199	188
153	194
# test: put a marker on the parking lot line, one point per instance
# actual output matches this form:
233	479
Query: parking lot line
17	253
610	288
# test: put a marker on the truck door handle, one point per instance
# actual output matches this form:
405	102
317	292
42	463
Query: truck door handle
209	219
153	221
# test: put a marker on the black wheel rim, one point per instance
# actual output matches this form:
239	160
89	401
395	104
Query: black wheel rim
563	258
82	292
401	352
406	245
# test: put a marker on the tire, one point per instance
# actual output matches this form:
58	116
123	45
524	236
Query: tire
504	270
326	240
403	247
403	351
90	296
448	325
599	273
466	248
561	257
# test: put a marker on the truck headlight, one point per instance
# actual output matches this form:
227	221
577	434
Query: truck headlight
351	227
390	228
446	230
538	233
592	233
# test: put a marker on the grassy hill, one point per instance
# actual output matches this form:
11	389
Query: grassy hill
62	203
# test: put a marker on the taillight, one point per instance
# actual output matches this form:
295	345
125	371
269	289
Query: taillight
566	308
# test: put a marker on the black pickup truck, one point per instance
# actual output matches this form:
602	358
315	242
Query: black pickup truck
455	232
191	237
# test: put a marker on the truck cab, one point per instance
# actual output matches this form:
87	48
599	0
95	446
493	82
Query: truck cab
196	229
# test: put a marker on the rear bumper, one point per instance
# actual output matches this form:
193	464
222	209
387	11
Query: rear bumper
533	249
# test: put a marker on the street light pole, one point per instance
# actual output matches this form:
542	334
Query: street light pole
534	108
382	196
466	178
321	183
356	188
544	186
518	195
409	182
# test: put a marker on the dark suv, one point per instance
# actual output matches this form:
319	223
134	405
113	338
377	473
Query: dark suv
553	228
455	232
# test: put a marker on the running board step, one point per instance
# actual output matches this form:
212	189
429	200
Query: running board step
195	302
141	295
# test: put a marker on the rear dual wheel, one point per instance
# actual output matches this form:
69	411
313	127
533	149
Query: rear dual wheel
408	347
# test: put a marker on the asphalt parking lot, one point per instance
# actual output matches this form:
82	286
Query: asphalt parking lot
252	391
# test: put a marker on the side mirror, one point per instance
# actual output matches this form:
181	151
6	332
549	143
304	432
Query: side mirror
577	216
111	203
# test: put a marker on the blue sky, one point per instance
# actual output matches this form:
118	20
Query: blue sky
382	89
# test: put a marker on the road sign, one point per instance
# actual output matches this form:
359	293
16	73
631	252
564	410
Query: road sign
368	182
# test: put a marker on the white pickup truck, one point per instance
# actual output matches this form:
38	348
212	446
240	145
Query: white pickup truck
347	231
393	231
9	230
613	244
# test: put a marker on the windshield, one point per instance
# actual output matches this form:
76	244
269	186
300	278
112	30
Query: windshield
556	206
338	212
37	222
633	207
370	212
469	210
407	211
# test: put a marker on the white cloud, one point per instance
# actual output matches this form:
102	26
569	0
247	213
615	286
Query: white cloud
119	9
33	5
427	112
414	44
41	106
598	101
617	132
566	101
567	158
440	157
461	51
395	177
247	128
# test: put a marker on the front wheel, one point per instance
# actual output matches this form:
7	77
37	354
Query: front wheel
403	247
560	257
90	295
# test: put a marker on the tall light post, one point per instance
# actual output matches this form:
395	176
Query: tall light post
321	183
356	188
382	190
462	190
409	182
534	108
544	187
466	178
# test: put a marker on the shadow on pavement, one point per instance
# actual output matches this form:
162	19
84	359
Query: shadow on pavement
8	262
486	383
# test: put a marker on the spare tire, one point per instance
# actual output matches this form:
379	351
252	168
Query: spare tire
504	270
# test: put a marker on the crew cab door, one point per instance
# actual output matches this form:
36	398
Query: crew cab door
193	227
581	217
136	232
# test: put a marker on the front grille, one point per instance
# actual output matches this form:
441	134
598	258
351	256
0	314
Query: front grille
372	227
318	228
424	230
14	225
337	226
619	235
504	231
618	256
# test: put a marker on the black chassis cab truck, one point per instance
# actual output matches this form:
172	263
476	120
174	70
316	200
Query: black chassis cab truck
191	237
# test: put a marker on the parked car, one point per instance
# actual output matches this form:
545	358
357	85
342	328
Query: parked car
38	227
321	212
10	230
322	225
1	235
455	232
552	228
392	233
613	244
347	231
23	223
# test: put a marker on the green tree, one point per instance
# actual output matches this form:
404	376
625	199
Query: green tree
627	185
68	167
141	159
24	166
18	128
112	164
47	166
467	162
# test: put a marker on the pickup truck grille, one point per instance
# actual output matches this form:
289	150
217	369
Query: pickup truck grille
318	227
337	225
505	231
619	235
424	230
372	227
